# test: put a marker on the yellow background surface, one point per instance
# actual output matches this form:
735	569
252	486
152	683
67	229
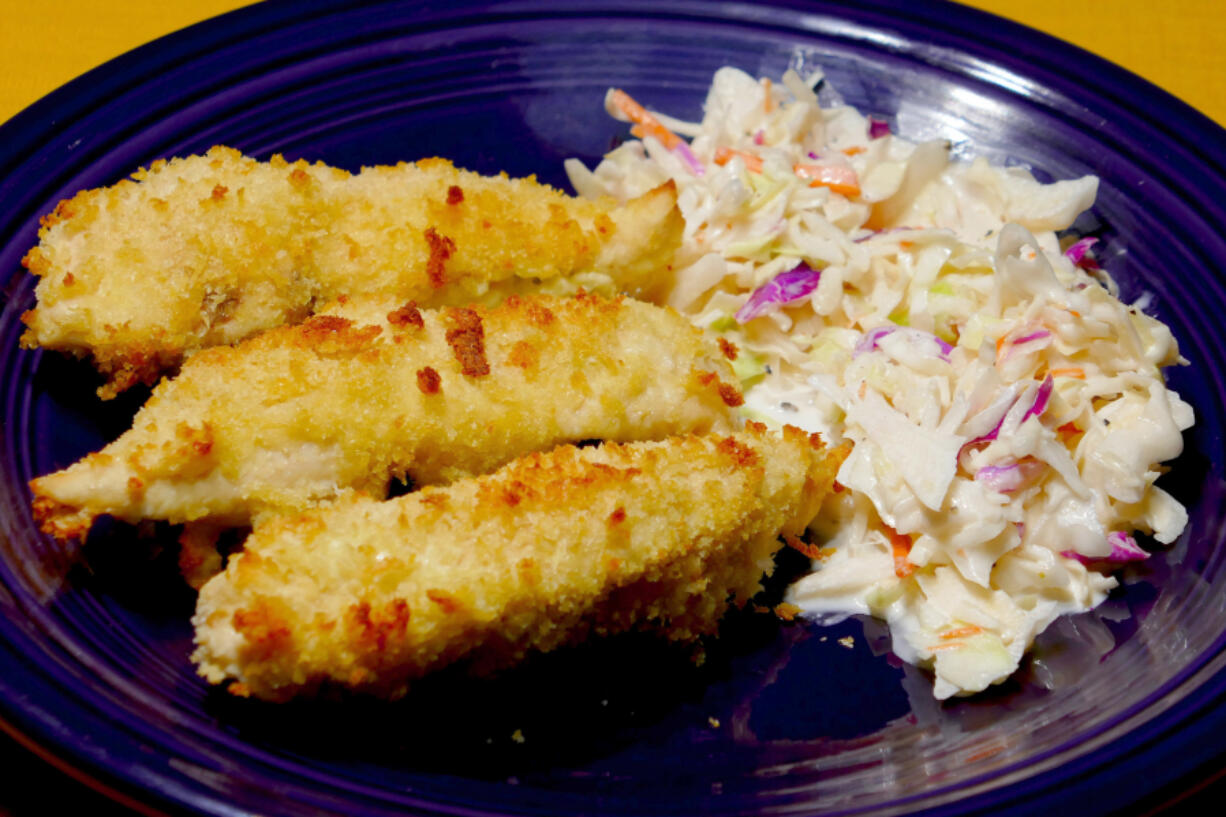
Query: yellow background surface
1180	46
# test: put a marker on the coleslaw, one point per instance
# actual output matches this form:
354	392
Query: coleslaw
1008	413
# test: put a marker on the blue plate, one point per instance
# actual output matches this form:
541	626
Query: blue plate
781	719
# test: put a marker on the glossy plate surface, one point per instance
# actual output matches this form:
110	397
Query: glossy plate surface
780	719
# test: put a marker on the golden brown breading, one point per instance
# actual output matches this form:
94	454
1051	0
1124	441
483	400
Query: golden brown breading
551	548
376	389
210	249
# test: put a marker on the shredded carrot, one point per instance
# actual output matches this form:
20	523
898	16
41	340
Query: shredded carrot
1068	431
769	103
1074	313
902	568
647	124
1068	371
902	548
725	155
951	645
906	245
812	551
961	632
661	135
854	150
1000	344
838	178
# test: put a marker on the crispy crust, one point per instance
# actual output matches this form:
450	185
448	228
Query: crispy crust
428	380
199	559
207	250
371	595
407	315
441	248
368	391
466	337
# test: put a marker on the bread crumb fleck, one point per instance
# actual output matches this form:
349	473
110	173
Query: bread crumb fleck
786	611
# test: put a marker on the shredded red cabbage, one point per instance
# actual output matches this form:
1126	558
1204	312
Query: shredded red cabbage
1077	250
1042	333
1123	549
1040	399
785	288
1016	343
991	435
1008	478
877	128
687	155
870	340
1036	408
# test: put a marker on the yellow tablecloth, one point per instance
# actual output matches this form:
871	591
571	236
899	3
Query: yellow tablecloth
1178	46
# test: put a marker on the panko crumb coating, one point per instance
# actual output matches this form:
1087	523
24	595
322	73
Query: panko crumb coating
547	551
206	250
376	389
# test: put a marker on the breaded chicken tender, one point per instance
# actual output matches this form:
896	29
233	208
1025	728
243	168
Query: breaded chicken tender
373	390
208	250
550	549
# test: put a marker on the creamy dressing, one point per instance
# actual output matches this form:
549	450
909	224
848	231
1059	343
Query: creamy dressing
1008	413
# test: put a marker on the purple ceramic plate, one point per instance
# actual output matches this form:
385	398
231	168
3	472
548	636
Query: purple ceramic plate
781	719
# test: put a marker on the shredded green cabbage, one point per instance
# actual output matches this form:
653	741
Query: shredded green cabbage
966	575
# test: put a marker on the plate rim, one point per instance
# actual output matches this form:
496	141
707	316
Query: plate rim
38	120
